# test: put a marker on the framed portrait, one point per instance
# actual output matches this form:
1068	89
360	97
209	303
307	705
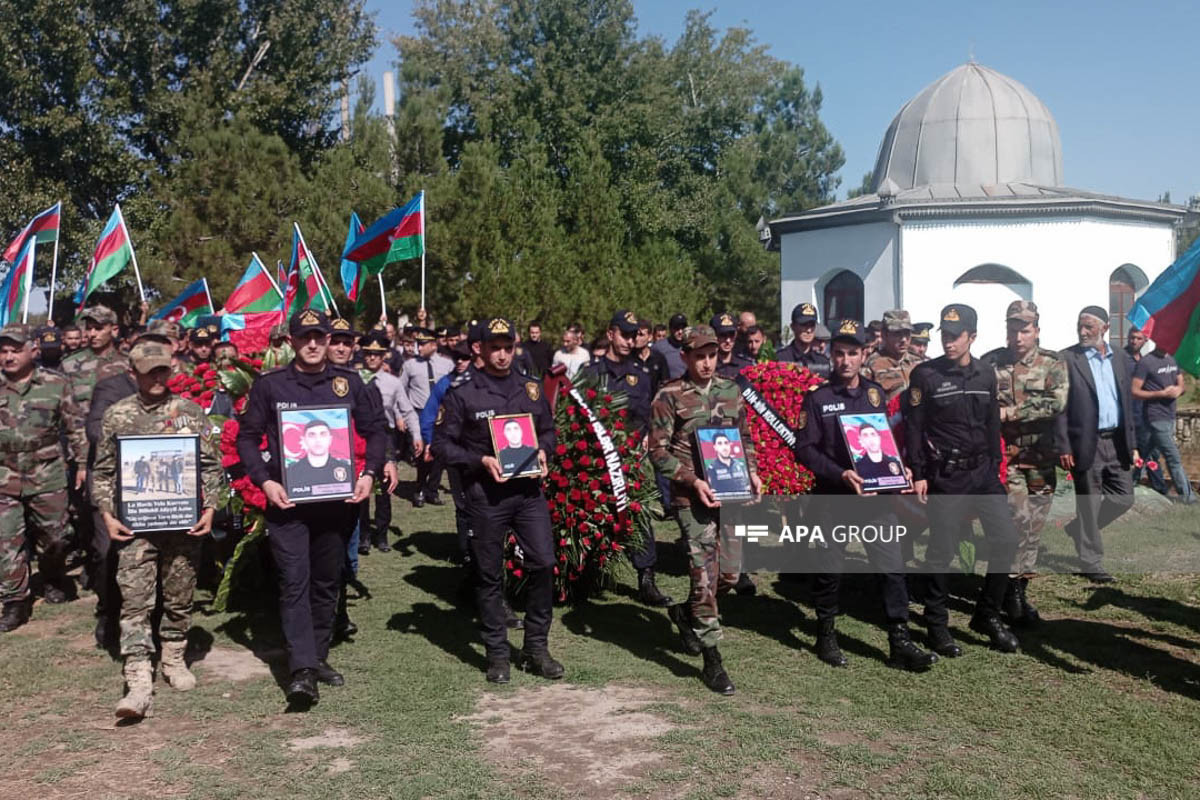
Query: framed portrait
317	448
723	459
873	450
158	486
515	445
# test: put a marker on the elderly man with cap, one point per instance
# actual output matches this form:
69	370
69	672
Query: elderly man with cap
802	349
918	343
729	362
700	399
37	408
417	379
498	504
1032	385
821	446
620	370
1095	437
952	427
891	364
150	562
309	542
671	347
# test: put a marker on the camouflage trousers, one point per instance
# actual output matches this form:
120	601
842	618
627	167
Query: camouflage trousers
1030	495
714	559
24	521
143	564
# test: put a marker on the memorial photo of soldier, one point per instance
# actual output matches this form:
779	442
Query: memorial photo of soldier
159	482
724	462
318	453
873	447
515	444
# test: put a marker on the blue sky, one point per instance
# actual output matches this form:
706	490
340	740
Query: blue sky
1120	78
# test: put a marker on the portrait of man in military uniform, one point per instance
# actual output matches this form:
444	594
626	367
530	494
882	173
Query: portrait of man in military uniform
315	473
515	445
876	457
725	470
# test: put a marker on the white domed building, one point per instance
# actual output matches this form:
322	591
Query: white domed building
968	205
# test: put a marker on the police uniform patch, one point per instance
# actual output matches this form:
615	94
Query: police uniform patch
914	396
873	397
339	473
341	386
802	421
533	391
893	468
631	379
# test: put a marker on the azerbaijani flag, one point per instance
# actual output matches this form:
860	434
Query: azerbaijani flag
351	272
250	331
303	285
113	252
14	287
43	229
185	309
397	236
255	292
1169	311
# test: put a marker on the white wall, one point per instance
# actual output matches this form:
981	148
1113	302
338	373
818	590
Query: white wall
1067	261
809	259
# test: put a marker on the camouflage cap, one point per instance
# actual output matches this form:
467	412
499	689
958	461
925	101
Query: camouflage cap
279	331
17	333
101	314
897	320
48	337
723	324
1024	310
146	356
164	327
698	336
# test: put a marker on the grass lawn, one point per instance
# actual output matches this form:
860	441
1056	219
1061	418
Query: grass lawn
1103	701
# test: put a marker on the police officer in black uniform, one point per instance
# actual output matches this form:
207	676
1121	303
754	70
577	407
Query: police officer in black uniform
803	349
463	438
729	362
952	428
620	369
821	447
49	348
308	541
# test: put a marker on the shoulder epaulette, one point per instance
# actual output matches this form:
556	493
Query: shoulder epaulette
463	377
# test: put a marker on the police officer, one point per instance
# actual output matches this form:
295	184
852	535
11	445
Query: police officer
49	348
200	346
417	379
821	447
496	504
619	369
918	343
952	426
803	349
729	362
1032	386
891	364
308	542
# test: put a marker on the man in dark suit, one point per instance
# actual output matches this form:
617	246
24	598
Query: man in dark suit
1095	438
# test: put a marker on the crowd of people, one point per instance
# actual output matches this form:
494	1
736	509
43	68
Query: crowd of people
426	395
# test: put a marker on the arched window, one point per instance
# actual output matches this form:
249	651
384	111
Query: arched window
994	273
844	297
1124	285
989	289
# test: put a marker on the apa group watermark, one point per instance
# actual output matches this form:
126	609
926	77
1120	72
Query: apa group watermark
823	534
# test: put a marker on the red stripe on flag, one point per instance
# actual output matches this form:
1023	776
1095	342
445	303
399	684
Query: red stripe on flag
1169	324
409	226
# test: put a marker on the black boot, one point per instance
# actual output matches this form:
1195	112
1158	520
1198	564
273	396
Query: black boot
827	643
1031	617
380	540
15	615
539	662
418	500
648	591
1012	605
328	675
511	620
681	615
497	669
903	654
989	624
713	674
364	545
302	690
745	586
343	628
942	643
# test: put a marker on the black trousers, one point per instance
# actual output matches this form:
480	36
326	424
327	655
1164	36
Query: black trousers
494	509
308	543
383	514
960	497
886	559
429	476
648	557
102	569
462	517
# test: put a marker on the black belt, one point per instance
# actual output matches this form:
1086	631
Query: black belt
1108	434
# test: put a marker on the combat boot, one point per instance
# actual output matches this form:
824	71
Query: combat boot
139	683
1030	617
903	654
539	662
15	615
827	643
497	669
380	540
989	624
1012	605
174	667
681	615
745	586
942	643
511	620
648	591
713	674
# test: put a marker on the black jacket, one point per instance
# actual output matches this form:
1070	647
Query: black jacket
1075	430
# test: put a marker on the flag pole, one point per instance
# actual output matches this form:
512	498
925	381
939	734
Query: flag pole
32	245
422	248
382	299
317	271
208	295
54	268
263	267
132	254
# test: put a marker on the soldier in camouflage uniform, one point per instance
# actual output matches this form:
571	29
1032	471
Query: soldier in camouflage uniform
892	363
166	558
36	409
699	398
1032	388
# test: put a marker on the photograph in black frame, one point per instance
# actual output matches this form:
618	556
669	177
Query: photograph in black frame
158	482
317	448
874	452
723	459
515	445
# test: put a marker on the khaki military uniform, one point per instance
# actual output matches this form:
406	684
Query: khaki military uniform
890	373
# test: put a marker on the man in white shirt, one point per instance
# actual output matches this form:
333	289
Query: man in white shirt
572	356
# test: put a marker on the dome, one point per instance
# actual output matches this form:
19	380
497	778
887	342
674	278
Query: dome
971	127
